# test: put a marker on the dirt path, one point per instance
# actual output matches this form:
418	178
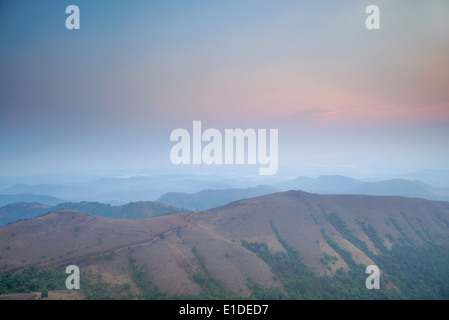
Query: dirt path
135	244
187	226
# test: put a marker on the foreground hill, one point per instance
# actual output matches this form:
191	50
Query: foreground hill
292	245
65	234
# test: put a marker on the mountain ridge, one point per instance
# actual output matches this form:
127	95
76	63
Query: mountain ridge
335	184
140	209
133	189
6	199
210	198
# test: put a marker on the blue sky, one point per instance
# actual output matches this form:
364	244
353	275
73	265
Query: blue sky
106	97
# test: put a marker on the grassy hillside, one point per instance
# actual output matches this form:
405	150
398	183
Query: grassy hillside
290	245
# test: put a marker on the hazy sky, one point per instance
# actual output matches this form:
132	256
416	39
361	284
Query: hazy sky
105	98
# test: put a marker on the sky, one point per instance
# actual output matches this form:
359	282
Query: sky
104	99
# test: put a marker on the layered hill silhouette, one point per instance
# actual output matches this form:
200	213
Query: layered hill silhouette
211	198
21	210
345	185
6	199
290	244
201	192
141	209
117	190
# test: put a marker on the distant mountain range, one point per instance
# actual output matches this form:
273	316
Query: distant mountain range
207	199
42	199
198	192
203	194
132	210
120	190
170	202
345	185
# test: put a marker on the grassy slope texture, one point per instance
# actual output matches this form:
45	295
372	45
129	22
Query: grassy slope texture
288	245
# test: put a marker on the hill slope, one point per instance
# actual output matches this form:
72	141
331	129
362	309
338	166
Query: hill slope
279	245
